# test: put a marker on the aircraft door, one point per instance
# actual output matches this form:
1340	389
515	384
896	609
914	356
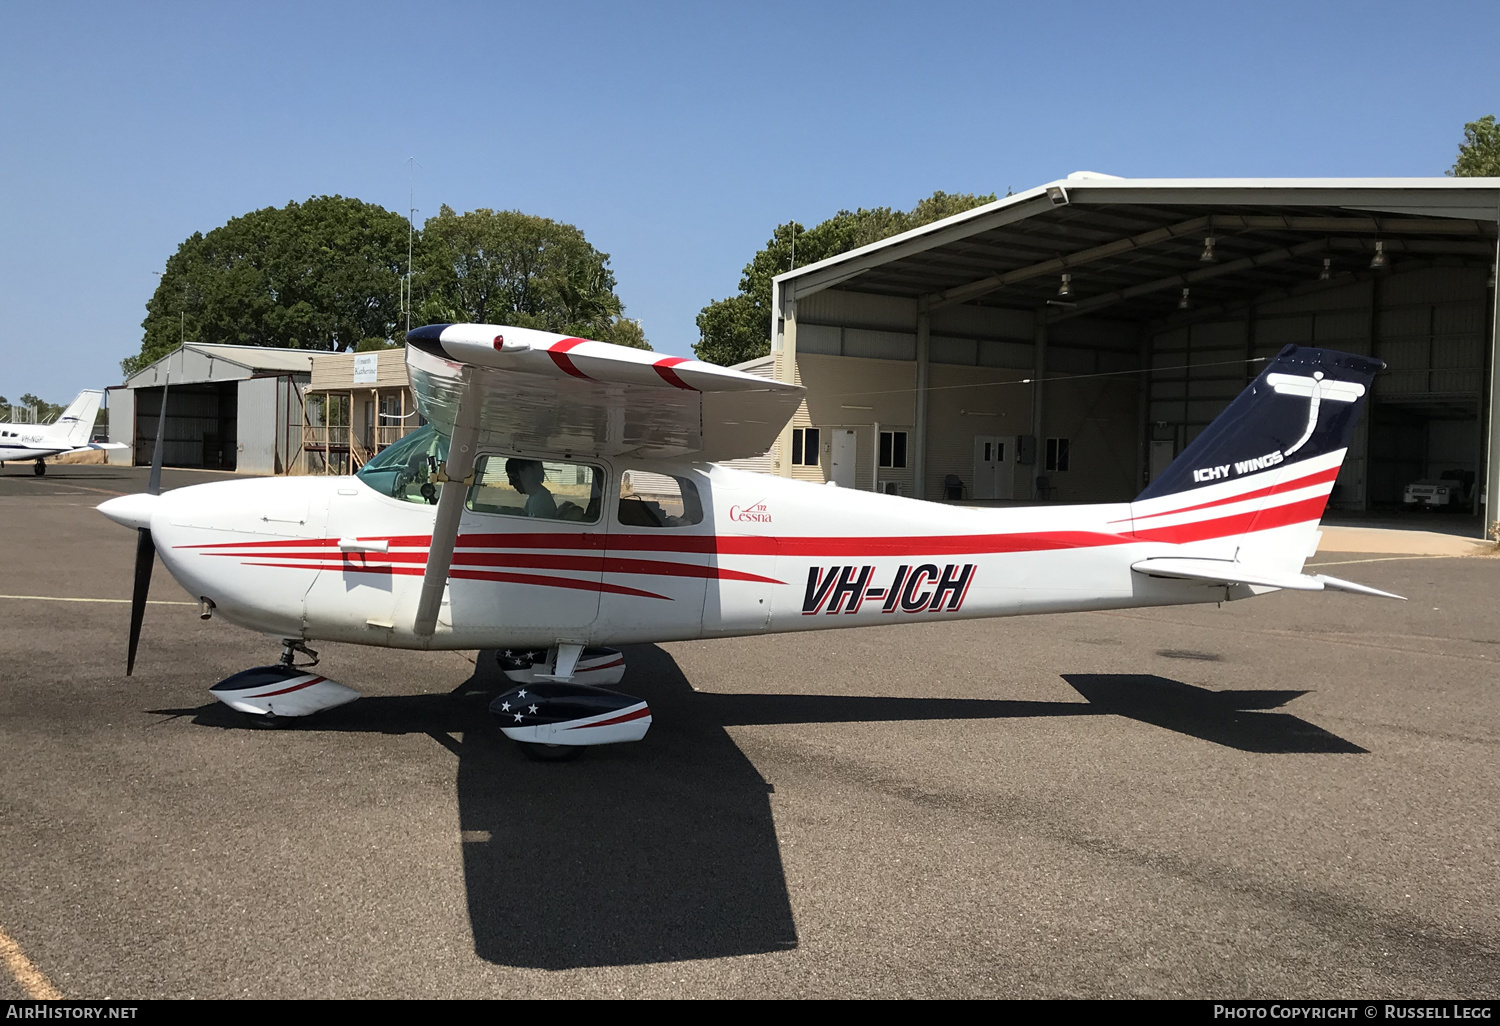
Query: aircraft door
660	556
529	550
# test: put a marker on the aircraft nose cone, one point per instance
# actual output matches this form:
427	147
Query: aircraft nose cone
130	510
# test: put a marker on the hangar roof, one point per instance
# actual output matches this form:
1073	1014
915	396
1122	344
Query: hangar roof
1131	245
245	361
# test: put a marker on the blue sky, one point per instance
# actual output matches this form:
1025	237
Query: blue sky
675	135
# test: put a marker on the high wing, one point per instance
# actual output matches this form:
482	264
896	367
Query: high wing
533	391
537	391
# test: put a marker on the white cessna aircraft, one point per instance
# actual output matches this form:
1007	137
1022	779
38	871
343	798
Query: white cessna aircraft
563	498
68	433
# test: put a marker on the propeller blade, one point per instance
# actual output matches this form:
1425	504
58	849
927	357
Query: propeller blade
145	559
145	546
153	484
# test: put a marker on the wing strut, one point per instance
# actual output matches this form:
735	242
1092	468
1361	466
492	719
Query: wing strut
457	476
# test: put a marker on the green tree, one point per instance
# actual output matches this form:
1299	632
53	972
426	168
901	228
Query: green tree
739	328
1479	153
323	274
45	411
506	267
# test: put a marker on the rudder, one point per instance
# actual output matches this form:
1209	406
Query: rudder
77	421
1254	484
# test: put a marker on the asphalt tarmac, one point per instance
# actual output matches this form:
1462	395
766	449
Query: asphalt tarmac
1293	796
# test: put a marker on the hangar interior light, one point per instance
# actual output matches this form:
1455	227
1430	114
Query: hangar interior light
1327	271
1208	251
1066	288
1184	303
1379	261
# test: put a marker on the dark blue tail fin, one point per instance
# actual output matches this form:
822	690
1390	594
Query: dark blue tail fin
1302	406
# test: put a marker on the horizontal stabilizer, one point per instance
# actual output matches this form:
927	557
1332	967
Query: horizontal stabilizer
1227	571
1338	584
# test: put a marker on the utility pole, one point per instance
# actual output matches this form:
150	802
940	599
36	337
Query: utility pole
411	213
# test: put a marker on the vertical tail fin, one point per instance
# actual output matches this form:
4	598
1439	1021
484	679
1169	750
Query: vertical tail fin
77	421
1252	487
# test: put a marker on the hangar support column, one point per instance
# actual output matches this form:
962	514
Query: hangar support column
919	429
786	370
1038	400
1492	443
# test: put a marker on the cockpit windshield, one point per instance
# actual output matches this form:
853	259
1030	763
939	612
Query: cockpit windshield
409	468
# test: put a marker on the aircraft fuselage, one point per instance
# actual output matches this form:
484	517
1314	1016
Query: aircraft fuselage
330	558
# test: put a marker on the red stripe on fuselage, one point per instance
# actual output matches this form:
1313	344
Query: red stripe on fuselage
554	582
479	575
470	545
1239	523
1322	477
582	564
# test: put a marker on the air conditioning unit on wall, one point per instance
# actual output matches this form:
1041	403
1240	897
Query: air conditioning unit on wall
892	487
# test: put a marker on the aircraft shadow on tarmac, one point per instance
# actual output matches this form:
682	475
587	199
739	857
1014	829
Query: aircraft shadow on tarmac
667	850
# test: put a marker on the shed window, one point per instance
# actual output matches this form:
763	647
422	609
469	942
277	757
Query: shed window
1057	454
893	449
804	447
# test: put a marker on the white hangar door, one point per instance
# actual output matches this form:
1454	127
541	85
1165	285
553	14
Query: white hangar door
844	449
994	476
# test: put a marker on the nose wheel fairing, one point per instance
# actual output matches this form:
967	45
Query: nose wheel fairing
281	691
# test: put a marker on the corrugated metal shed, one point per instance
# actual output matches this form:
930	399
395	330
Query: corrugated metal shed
228	407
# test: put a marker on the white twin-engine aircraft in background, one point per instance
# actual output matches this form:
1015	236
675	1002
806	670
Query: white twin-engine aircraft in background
69	433
563	498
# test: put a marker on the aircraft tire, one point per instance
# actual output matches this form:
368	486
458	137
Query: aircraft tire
550	753
40	469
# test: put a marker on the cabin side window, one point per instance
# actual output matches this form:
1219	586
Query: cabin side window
658	500
517	486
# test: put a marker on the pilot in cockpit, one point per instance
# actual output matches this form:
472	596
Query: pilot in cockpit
526	477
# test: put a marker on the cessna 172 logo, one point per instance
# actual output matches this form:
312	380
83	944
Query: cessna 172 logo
836	589
757	513
1315	389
